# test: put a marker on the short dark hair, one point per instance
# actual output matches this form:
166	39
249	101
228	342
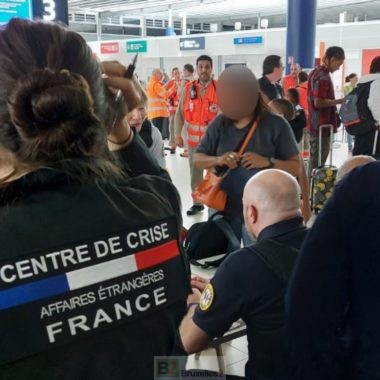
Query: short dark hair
284	107
189	68
293	96
270	63
349	77
303	76
335	52
204	58
375	66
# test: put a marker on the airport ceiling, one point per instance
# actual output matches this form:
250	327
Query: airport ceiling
225	10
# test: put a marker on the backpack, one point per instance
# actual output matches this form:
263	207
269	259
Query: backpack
354	112
210	238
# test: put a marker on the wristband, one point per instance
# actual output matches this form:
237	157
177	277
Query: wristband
127	140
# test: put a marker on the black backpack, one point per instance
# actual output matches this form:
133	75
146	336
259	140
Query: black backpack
355	113
211	238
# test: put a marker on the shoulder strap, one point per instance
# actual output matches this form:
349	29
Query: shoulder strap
277	256
248	136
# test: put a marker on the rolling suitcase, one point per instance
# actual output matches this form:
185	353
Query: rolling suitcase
323	177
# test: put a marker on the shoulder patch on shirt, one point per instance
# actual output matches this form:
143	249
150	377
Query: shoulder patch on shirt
207	297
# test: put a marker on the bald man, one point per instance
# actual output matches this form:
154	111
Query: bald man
352	163
291	80
250	284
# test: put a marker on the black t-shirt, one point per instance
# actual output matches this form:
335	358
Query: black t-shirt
272	138
89	288
244	287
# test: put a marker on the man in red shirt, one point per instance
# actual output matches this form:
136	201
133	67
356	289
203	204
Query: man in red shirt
322	103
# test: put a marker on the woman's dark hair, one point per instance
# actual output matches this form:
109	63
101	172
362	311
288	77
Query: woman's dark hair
302	76
349	77
294	96
53	104
375	66
284	107
189	68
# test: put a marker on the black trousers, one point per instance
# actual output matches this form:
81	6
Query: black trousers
162	123
364	144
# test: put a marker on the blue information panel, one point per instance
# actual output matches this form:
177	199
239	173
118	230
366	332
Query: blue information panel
14	8
192	43
248	40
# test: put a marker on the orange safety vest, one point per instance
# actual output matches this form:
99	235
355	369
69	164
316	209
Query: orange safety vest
173	97
157	99
289	81
199	112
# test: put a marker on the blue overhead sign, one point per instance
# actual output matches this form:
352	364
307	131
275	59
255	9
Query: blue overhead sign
192	43
248	40
15	8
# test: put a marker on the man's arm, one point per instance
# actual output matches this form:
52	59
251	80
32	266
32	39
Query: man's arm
178	118
252	160
194	339
323	103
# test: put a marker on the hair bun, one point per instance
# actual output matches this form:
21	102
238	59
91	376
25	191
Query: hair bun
45	99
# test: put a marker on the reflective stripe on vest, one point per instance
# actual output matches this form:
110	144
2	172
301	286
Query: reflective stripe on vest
157	106
199	112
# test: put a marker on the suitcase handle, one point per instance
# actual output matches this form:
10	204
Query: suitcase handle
330	126
375	141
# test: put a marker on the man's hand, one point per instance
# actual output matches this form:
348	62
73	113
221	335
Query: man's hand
179	141
199	283
194	297
230	159
252	160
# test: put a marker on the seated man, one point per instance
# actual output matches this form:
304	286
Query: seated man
251	283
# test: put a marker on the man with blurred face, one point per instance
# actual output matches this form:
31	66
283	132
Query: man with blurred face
250	284
198	106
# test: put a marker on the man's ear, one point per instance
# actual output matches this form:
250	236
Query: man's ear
253	214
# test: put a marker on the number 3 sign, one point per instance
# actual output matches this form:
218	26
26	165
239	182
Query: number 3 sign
51	10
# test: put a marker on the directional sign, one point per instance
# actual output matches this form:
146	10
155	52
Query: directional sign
138	46
248	40
51	10
13	8
192	43
109	47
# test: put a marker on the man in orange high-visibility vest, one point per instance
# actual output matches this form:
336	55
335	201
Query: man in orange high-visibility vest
291	80
197	107
174	85
158	106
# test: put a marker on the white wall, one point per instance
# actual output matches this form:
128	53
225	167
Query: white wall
353	37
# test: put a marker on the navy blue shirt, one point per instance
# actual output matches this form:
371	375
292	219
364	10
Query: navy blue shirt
334	296
244	287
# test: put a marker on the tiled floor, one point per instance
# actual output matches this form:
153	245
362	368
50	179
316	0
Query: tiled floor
235	352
